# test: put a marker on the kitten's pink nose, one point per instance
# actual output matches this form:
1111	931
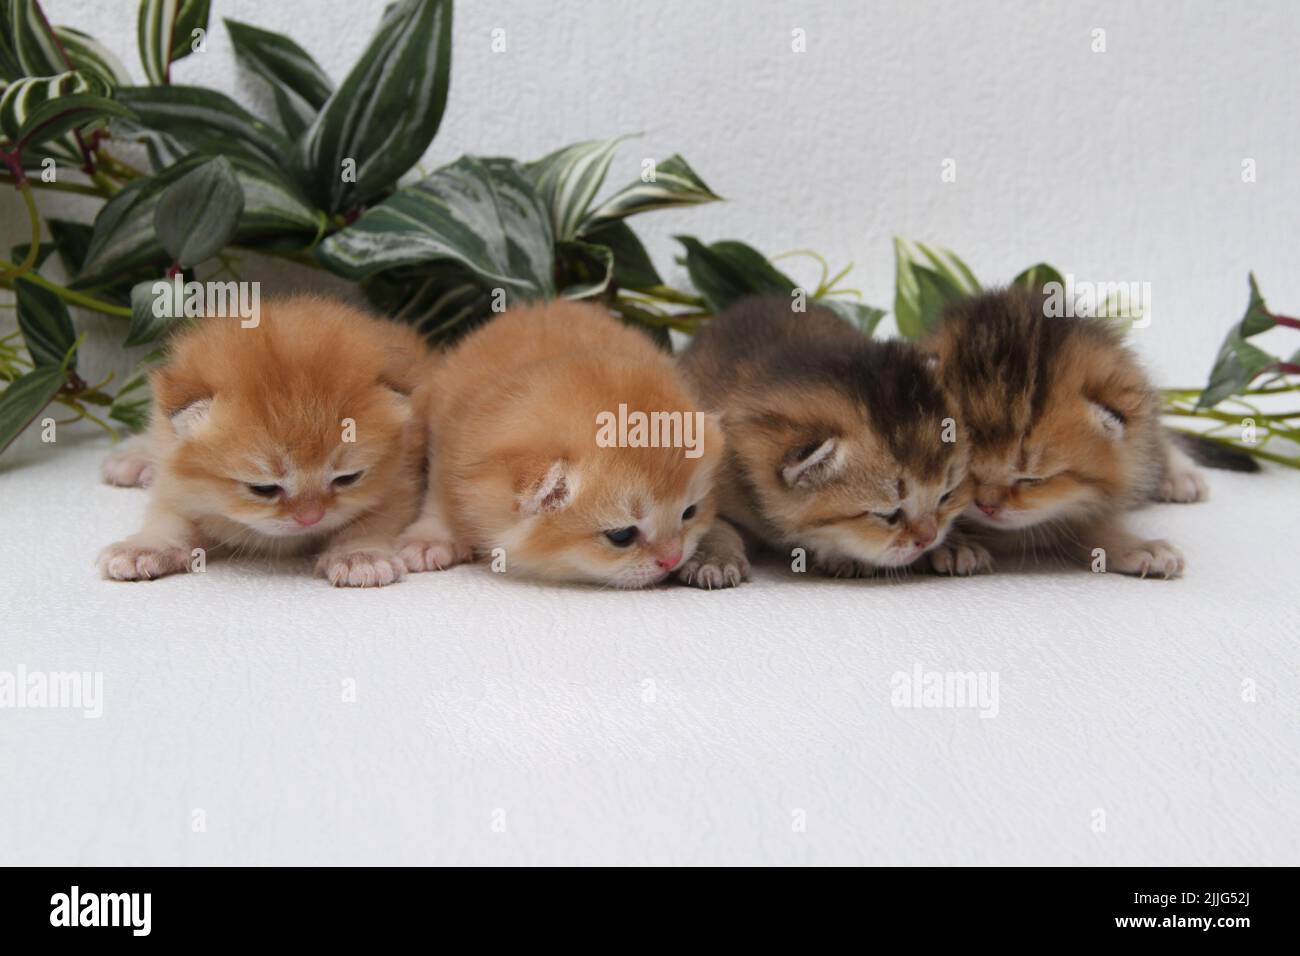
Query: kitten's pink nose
924	533
989	510
669	560
309	513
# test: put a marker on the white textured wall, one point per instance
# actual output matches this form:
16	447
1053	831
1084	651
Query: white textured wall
1120	165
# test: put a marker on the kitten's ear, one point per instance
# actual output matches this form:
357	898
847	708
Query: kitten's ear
192	417
1111	421
551	490
185	400
812	465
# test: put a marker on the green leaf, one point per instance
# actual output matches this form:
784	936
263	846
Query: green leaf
165	34
55	118
71	239
385	114
177	121
300	87
1239	362
443	301
586	269
482	214
88	55
633	268
674	184
154	311
31	40
130	405
198	213
865	318
945	279
1035	277
26	398
124	239
727	271
568	180
31	106
45	323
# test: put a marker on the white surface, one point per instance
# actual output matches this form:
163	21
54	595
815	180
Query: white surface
478	694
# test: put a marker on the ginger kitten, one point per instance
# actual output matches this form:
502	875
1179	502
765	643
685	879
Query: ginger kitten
1065	429
518	472
292	436
835	444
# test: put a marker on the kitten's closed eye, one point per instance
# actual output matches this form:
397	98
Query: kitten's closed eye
264	491
689	513
342	481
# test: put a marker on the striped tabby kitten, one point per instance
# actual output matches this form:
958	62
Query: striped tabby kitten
835	444
1065	429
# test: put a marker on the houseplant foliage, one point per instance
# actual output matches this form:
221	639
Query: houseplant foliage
328	179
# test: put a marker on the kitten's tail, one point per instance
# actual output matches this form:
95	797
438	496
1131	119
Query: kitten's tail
1212	454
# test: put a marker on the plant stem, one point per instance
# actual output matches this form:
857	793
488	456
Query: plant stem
68	295
1256	452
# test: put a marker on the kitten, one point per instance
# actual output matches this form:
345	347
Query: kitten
518	471
1065	428
295	435
836	444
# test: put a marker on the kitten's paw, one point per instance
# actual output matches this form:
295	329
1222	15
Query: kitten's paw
1149	559
834	567
710	571
367	568
124	561
960	558
127	468
430	554
1182	485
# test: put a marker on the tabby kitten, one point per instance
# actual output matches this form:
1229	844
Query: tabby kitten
1065	429
835	444
295	435
518	471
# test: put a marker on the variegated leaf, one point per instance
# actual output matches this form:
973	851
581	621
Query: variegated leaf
379	122
125	241
35	109
921	290
177	121
300	87
442	301
482	214
45	324
674	184
25	398
586	269
568	180
198	213
90	56
32	40
165	34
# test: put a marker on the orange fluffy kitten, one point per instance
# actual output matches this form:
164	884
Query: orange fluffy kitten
517	414
296	435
